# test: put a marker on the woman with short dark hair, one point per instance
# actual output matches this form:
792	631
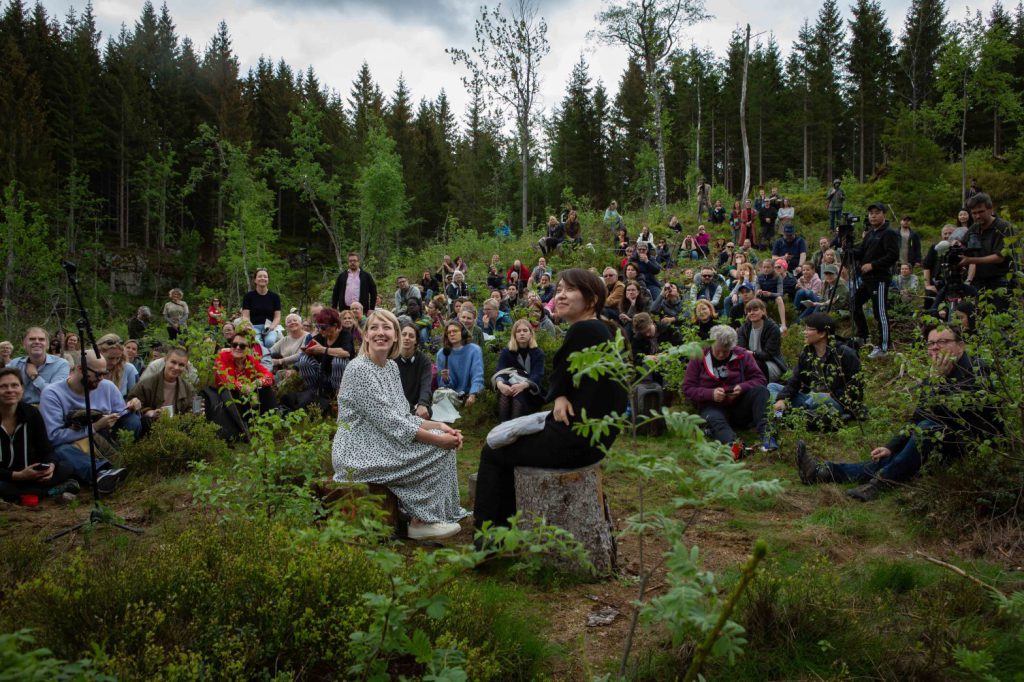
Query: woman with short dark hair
579	300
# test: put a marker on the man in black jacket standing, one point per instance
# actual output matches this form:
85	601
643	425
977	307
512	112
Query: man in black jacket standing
354	285
877	254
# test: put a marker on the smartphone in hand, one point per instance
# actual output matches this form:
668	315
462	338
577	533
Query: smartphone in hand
40	466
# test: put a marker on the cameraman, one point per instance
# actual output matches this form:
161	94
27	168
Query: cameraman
877	254
985	243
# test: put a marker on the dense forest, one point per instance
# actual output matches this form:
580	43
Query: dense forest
144	140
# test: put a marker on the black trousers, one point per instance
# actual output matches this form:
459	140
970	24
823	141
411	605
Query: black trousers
876	291
11	491
496	484
747	411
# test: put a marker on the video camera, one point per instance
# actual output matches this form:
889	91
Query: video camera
845	230
961	243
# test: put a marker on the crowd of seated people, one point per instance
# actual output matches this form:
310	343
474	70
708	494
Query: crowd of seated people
442	330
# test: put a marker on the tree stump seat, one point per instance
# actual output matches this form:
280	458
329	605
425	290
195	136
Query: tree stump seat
341	499
574	500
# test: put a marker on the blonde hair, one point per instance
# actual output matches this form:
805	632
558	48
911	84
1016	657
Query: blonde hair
704	303
389	317
513	345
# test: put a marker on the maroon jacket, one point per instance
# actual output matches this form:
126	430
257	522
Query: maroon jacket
701	381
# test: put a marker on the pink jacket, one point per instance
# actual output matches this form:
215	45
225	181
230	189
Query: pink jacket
740	370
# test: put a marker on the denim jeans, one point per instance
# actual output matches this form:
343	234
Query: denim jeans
81	469
817	403
899	466
266	337
798	299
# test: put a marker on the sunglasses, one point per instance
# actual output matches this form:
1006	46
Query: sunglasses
240	346
324	326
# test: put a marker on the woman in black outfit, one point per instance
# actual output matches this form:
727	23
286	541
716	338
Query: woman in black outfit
580	296
27	465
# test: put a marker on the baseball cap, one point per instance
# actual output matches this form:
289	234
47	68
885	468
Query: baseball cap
878	205
789	229
746	285
829	268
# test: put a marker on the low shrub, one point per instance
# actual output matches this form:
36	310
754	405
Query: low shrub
173	444
242	601
19	661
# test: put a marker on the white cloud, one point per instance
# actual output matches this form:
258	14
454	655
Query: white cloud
409	37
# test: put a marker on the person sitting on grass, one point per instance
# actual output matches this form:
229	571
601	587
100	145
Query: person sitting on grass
240	375
379	441
460	364
39	369
761	336
415	371
705	317
771	287
467	316
738	312
328	353
27	465
519	373
729	390
826	382
945	420
62	406
167	392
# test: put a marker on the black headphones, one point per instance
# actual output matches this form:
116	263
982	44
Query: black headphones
465	332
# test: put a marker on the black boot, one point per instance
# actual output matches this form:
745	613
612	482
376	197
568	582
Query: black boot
811	470
867	492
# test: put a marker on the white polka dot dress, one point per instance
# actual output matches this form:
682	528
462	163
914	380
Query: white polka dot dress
375	443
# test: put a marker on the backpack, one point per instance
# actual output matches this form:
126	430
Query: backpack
649	397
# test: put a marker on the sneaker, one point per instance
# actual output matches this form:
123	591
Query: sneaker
867	492
434	531
108	480
811	471
770	444
878	352
69	487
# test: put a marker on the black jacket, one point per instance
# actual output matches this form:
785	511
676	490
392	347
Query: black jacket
416	378
771	342
881	248
367	291
836	373
27	445
950	403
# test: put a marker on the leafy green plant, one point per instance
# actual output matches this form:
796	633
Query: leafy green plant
173	444
273	478
702	475
18	661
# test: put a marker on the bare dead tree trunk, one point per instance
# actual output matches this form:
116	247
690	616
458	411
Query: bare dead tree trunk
860	173
659	138
743	121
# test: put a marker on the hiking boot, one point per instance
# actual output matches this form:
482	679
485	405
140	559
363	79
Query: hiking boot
811	470
770	444
867	492
69	487
108	480
877	352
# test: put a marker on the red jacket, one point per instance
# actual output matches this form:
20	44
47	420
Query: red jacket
524	274
740	370
228	375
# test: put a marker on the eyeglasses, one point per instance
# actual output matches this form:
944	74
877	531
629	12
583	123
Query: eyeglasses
608	275
240	346
99	374
940	342
324	326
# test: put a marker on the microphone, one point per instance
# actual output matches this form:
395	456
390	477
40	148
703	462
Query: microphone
942	247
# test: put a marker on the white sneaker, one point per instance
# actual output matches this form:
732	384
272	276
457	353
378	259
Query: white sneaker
877	353
434	531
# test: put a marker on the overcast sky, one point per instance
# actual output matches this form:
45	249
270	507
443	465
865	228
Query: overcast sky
409	36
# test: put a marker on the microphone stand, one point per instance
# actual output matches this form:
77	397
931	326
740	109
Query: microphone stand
97	515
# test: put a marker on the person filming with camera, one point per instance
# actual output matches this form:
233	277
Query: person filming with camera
876	255
985	249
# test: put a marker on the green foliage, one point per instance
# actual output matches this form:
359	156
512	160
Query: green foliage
380	191
702	475
32	277
173	444
273	478
18	661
